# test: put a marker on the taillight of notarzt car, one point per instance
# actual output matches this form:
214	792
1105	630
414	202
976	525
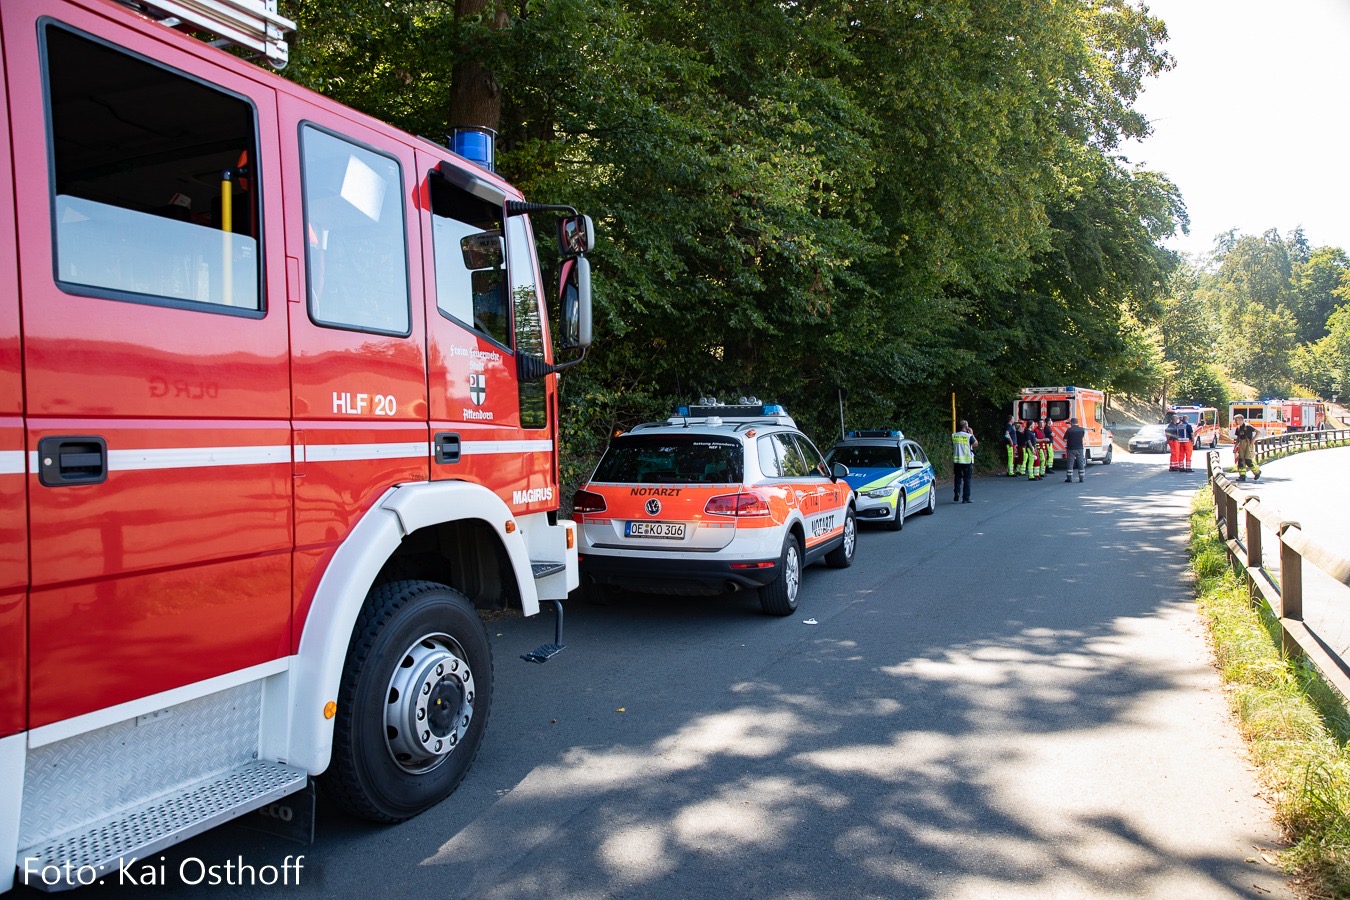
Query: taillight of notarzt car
585	502
746	504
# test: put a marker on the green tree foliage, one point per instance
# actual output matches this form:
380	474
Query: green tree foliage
896	199
1266	310
1320	282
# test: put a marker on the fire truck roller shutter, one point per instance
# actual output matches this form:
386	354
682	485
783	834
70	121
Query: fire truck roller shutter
345	584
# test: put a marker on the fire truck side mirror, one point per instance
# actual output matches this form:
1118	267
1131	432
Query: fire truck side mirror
576	235
574	298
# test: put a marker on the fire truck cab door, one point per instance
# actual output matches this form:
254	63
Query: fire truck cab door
154	358
13	497
484	307
358	339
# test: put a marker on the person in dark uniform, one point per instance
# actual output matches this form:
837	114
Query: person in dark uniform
1073	445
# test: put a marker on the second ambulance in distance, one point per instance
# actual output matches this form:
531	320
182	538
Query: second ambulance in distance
715	499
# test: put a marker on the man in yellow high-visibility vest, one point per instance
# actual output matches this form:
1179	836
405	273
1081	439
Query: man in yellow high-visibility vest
963	462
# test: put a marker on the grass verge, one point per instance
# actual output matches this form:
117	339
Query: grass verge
1296	726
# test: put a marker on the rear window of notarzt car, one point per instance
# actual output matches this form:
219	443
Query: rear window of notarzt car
863	457
663	459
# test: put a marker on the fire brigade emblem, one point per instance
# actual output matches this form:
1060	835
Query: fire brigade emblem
478	388
653	507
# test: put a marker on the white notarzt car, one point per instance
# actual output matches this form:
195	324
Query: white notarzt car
717	498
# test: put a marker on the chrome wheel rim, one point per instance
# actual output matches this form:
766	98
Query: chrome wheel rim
429	704
792	573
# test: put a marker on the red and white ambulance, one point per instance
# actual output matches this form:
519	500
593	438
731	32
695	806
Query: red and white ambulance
1266	416
278	415
1059	404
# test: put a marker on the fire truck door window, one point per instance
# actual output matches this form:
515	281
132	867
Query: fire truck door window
466	236
356	248
154	199
1029	410
1057	410
528	320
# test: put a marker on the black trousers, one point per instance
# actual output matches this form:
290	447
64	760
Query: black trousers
963	473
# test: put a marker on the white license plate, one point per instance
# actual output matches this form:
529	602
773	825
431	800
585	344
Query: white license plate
672	530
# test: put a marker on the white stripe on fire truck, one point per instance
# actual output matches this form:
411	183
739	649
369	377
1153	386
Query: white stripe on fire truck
542	446
188	457
11	462
320	453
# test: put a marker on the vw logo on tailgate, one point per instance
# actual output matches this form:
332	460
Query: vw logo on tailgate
653	507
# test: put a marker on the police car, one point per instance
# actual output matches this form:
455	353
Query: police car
890	473
716	498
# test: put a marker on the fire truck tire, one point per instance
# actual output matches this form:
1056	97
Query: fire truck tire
413	704
779	597
841	557
899	521
932	500
1106	460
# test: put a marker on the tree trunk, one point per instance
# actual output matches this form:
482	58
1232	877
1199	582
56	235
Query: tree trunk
475	95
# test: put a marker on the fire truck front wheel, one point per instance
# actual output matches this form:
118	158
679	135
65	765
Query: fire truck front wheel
414	701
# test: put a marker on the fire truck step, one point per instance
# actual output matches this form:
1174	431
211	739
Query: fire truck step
103	846
544	652
545	569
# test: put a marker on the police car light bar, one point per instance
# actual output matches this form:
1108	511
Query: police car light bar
876	433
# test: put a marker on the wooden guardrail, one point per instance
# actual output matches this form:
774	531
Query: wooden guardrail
1244	523
1296	441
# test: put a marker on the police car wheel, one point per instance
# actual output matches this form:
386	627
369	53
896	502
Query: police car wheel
779	597
899	521
413	703
841	557
932	500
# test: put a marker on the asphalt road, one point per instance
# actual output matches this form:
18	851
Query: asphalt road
1012	698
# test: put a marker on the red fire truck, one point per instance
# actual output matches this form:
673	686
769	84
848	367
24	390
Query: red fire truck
1305	414
278	415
